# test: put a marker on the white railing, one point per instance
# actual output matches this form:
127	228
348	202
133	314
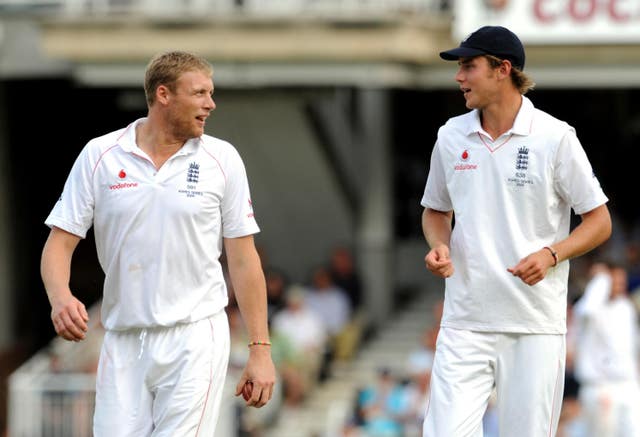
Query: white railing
181	9
53	393
47	402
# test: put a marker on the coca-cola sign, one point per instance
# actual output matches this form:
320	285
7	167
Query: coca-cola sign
553	21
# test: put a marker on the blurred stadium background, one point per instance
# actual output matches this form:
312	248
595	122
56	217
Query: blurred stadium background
334	106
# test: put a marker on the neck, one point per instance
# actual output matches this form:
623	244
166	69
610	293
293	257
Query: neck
157	142
498	117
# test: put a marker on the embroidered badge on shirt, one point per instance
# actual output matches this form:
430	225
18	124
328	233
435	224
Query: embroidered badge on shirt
520	178
193	174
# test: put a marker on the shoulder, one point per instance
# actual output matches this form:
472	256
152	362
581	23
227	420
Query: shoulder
547	124
98	146
460	124
219	149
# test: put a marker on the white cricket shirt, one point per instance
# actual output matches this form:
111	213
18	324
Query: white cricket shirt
510	197
158	232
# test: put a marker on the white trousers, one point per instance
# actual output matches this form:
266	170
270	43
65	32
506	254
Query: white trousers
527	371
611	409
162	382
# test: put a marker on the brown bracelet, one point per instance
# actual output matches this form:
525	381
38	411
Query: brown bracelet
554	254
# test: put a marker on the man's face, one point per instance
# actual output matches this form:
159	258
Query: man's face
478	81
191	104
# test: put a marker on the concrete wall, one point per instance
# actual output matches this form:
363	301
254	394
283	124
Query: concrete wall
298	204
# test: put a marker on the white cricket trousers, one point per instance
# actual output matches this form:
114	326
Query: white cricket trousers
611	409
162	382
527	371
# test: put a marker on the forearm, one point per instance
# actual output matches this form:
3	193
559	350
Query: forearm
250	290
594	230
250	293
436	226
55	264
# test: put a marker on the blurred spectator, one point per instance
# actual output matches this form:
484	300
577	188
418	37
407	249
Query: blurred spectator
417	400
304	329
383	406
277	283
420	359
344	275
328	301
632	259
606	358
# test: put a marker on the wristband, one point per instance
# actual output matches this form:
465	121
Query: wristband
259	343
554	254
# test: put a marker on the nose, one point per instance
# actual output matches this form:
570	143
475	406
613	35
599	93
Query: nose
459	76
210	104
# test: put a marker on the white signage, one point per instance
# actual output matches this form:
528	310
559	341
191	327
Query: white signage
553	21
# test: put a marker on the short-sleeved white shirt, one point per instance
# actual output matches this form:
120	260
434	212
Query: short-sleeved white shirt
158	232
510	197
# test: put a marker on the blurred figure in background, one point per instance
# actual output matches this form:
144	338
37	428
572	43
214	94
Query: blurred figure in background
306	332
328	301
344	275
277	283
606	356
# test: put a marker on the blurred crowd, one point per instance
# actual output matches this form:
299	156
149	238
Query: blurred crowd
312	324
320	321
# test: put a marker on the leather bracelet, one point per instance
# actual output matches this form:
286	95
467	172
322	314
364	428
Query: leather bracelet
554	254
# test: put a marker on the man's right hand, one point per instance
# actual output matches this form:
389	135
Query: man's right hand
69	317
438	261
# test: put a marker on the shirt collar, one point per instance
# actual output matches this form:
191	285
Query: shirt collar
127	140
521	125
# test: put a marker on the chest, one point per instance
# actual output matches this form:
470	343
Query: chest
514	163
127	184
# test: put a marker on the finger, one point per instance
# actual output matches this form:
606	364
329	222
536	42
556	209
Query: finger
262	399
256	394
240	385
78	319
70	326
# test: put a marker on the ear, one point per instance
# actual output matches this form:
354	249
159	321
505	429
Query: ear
505	68
163	94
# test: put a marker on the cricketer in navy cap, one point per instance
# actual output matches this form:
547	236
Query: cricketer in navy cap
497	41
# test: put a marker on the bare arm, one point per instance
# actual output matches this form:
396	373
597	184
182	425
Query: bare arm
436	226
594	230
251	294
68	314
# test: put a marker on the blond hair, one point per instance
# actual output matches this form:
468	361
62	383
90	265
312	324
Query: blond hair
520	79
166	68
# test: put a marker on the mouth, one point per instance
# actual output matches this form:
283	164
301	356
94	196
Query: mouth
465	91
201	119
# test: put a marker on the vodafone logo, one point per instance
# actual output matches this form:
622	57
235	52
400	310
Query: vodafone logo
464	157
119	186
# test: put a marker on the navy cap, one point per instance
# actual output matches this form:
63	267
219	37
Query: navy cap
489	40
